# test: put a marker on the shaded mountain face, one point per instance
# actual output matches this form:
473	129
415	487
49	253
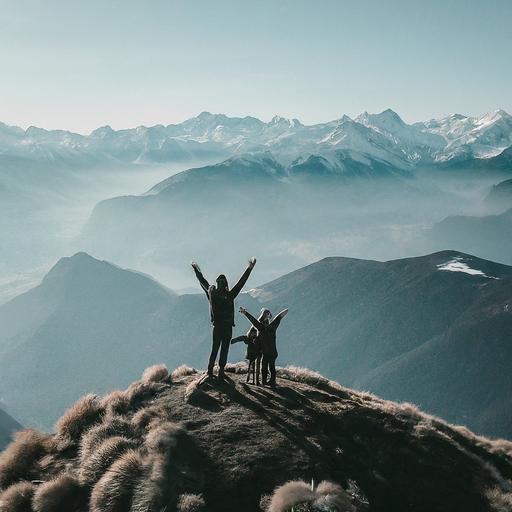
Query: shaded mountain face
433	330
8	426
171	443
88	326
501	194
487	236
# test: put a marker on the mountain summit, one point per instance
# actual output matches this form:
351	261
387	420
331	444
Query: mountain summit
171	443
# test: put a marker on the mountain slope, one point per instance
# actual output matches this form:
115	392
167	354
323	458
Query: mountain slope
8	425
169	443
433	330
88	326
438	323
488	235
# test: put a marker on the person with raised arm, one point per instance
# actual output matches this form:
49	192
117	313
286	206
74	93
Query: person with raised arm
222	312
267	340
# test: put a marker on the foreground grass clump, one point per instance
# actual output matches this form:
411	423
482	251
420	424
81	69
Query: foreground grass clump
300	496
178	442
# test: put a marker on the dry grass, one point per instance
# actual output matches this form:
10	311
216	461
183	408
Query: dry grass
111	449
162	437
156	492
500	500
19	460
138	392
299	495
311	378
17	498
291	494
191	503
183	371
79	418
332	497
239	368
64	494
191	389
142	420
110	427
156	373
116	402
114	491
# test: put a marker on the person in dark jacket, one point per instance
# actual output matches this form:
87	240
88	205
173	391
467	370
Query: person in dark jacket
267	340
222	312
252	352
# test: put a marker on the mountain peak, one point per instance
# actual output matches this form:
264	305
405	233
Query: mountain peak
103	131
177	439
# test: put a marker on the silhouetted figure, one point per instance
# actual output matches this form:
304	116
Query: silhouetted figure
267	339
252	353
222	312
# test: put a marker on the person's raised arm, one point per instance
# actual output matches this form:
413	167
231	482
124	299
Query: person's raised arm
243	278
251	319
205	285
277	319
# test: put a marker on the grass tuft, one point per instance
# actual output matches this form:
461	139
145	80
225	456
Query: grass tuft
17	498
111	449
114	491
112	426
138	392
19	460
157	491
64	494
145	418
156	373
183	371
116	402
79	418
291	494
162	437
239	368
191	503
299	495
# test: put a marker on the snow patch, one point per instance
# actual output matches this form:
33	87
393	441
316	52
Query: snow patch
260	295
458	265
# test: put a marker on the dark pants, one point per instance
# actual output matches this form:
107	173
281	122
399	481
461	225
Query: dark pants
221	338
269	362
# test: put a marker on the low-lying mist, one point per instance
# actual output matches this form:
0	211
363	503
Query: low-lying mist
221	215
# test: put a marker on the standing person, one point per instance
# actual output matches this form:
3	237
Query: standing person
267	339
222	312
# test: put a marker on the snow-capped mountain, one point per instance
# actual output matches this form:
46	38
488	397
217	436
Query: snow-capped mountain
384	137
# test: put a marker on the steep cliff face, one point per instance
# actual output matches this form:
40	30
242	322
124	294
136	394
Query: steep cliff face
176	442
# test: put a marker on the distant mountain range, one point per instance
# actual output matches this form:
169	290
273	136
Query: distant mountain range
433	330
383	137
369	187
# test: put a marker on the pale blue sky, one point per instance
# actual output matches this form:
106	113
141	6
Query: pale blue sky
81	64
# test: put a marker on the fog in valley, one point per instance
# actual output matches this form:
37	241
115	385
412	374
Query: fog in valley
219	190
44	206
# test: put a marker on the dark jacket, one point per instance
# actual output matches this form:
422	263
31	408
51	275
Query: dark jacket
267	333
222	302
